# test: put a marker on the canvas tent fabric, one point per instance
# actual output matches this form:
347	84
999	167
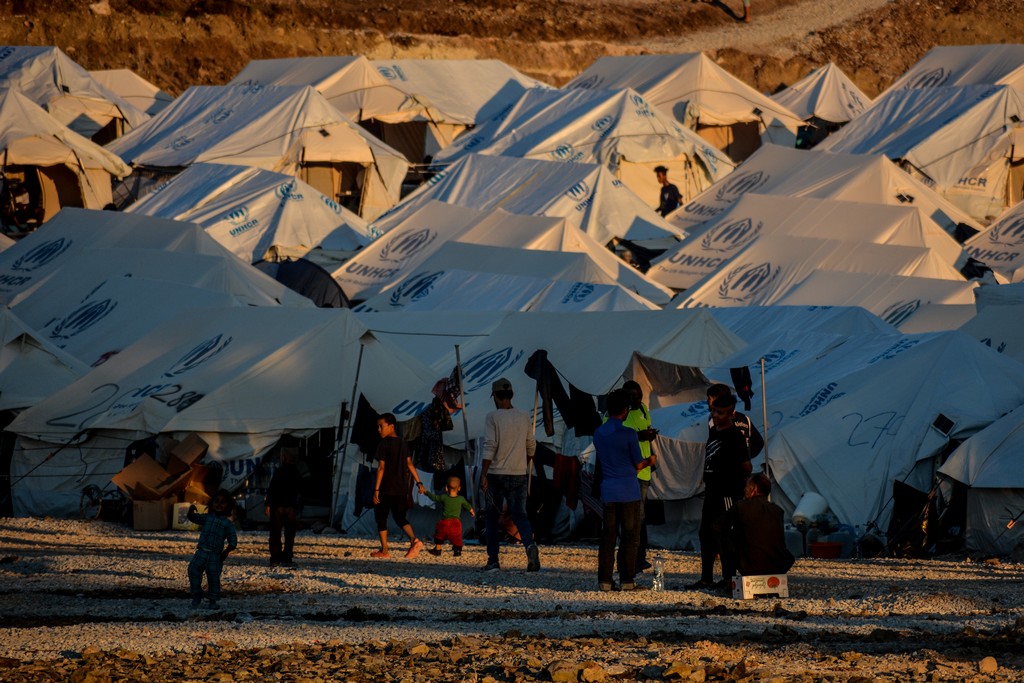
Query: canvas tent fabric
240	377
990	464
286	129
68	169
710	246
588	196
958	138
770	268
1000	246
813	173
31	367
826	94
64	241
696	91
252	211
433	226
1000	327
956	65
55	82
615	128
134	89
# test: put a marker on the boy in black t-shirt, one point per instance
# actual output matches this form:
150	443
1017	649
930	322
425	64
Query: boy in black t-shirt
392	487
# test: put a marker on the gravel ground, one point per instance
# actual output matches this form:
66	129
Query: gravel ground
69	588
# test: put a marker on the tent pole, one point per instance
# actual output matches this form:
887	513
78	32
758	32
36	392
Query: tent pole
345	426
764	415
465	422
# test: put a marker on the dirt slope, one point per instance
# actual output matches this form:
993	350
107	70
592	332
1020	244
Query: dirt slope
177	43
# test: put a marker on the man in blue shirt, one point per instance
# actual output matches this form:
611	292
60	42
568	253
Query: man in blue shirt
619	457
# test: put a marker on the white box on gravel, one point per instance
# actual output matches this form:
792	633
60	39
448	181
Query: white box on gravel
747	587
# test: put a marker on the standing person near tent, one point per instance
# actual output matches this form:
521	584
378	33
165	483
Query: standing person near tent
619	457
726	466
395	474
753	534
282	504
215	530
755	442
670	199
509	446
639	419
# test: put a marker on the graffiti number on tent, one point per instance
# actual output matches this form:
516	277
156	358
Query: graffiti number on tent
109	391
109	400
868	431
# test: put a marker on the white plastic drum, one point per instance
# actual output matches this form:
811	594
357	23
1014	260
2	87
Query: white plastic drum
810	506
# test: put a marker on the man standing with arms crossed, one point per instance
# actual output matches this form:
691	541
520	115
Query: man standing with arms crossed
509	446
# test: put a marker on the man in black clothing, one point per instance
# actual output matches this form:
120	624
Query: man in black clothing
755	442
753	535
726	466
670	199
282	508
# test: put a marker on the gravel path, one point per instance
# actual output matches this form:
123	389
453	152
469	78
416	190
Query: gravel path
71	587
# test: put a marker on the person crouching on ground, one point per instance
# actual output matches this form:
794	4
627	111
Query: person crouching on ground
449	527
619	457
215	529
395	473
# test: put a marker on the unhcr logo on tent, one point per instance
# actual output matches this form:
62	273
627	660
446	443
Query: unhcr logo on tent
738	185
286	192
199	354
487	366
1009	233
777	358
745	282
567	153
6	52
732	236
588	83
580	192
220	116
897	313
417	287
405	246
473	142
578	292
181	142
603	126
392	73
253	89
240	219
39	256
331	204
895	350
932	79
82	318
641	108
821	398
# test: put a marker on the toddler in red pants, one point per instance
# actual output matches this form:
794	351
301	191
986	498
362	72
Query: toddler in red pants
449	527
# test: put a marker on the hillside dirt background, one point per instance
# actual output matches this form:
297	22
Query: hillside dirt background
178	43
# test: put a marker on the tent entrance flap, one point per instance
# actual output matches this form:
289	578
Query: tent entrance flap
342	182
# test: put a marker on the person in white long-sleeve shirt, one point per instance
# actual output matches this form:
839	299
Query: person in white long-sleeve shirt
509	446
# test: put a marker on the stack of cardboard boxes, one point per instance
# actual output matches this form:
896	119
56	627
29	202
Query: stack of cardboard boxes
155	488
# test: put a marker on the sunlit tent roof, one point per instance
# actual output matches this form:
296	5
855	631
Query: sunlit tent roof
710	246
286	129
68	92
813	173
959	138
34	142
615	128
827	94
252	211
956	65
73	233
696	91
770	268
135	89
588	196
1000	246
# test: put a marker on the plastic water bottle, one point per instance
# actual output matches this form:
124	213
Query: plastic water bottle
659	574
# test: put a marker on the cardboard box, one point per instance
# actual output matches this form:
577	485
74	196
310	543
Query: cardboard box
196	494
747	587
152	515
190	451
179	518
143	470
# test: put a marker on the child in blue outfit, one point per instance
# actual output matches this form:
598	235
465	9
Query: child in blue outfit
449	527
215	529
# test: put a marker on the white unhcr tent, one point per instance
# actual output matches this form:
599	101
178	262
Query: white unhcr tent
57	166
588	196
963	140
290	130
1000	246
615	128
710	246
135	89
694	90
813	173
68	92
252	211
31	368
991	465
826	99
956	65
